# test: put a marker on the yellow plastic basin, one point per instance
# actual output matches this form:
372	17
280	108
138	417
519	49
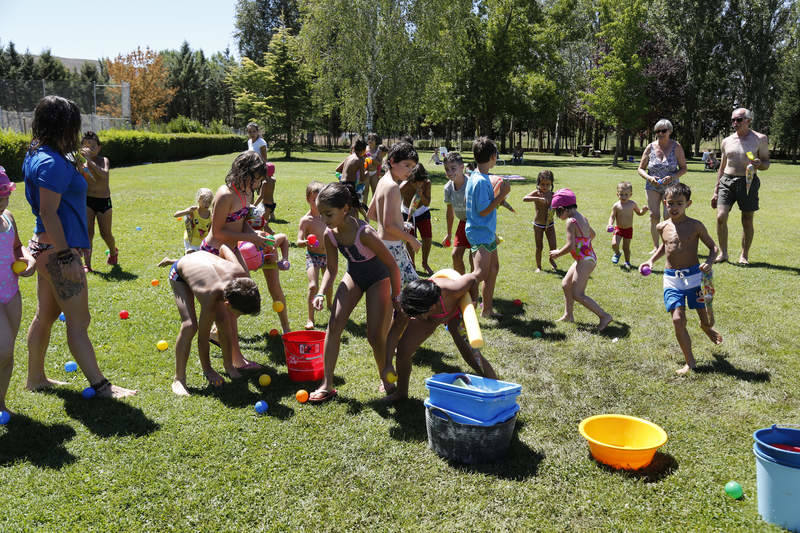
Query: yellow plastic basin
622	441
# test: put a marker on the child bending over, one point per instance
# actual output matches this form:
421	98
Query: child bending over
621	222
543	223
579	245
683	275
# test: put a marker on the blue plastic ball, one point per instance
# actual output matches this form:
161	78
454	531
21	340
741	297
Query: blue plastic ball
138	228
88	393
5	416
261	407
70	366
62	318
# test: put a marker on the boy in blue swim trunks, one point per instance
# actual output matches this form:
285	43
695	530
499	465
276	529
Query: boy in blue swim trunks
683	275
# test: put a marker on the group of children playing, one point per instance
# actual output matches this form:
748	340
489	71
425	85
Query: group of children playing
402	310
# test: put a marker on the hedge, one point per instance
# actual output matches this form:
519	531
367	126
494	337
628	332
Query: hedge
127	147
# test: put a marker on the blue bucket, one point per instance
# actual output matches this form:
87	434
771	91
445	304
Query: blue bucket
778	489
769	441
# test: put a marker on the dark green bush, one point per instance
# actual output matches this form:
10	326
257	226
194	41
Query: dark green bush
12	152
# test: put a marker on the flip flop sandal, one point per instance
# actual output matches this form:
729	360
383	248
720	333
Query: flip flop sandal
323	396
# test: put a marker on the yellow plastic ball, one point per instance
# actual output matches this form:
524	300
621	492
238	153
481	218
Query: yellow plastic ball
19	267
302	396
391	377
264	380
277	306
162	345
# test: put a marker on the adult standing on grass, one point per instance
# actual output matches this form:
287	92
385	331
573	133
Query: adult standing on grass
663	163
732	181
98	199
256	143
56	192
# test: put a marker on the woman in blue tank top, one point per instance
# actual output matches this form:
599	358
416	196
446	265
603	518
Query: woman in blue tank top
663	163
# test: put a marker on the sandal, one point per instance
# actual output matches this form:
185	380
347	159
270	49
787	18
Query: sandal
214	380
322	396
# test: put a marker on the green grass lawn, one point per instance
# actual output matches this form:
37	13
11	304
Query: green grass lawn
209	463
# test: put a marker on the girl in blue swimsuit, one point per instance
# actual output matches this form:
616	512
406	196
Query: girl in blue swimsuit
371	270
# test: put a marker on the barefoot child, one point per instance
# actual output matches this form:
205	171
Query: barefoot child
197	220
98	199
352	169
579	245
416	194
224	290
543	223
454	197
371	270
311	236
15	260
481	227
431	303
621	222
683	275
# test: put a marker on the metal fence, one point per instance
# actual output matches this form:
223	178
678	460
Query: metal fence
103	106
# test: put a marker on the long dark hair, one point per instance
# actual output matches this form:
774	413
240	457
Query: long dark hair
338	195
418	296
244	169
57	124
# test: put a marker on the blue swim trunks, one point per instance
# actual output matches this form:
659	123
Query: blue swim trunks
683	286
173	272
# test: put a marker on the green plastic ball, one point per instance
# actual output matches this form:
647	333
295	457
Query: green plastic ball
734	490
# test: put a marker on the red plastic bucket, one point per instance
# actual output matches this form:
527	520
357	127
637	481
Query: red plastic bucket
304	355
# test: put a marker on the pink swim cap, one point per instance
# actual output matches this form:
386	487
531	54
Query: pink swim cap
563	198
6	186
270	169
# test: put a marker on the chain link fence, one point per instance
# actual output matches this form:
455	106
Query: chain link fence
103	106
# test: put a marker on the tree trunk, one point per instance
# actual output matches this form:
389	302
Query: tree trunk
617	148
556	149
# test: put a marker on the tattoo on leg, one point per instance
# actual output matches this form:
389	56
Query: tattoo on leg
65	288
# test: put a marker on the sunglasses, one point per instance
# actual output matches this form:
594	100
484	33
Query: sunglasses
6	188
737	119
662	131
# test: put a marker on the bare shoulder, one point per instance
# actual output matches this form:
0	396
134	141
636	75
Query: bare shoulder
698	225
663	224
762	138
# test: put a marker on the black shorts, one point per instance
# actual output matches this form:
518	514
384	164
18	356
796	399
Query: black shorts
98	205
733	189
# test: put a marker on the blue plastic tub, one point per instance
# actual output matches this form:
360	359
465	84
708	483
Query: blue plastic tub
483	399
778	489
767	438
461	419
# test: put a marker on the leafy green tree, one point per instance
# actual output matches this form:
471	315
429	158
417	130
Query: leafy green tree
277	94
618	87
787	110
49	67
256	21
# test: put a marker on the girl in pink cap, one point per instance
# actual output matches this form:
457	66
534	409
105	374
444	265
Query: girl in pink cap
15	260
579	245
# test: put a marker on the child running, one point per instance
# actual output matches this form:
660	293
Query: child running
481	225
371	270
98	199
579	245
431	303
15	260
224	291
416	193
311	236
683	275
543	223
621	222
454	197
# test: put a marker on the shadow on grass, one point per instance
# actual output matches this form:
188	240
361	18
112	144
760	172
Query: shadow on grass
106	417
263	343
354	329
525	328
769	266
409	416
720	365
116	274
521	462
40	444
236	394
434	360
662	466
614	330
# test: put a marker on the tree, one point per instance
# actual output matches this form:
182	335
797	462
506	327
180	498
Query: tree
277	94
787	110
186	74
618	87
256	21
49	67
150	94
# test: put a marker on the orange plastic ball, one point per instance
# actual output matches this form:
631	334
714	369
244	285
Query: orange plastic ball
273	332
302	396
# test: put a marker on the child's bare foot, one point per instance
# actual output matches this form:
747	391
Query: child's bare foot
427	268
179	387
214	379
166	261
43	384
386	387
566	318
743	260
604	321
310	324
721	258
684	370
553	264
106	390
538	270
714	335
396	396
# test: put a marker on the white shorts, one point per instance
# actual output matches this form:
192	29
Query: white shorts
401	257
